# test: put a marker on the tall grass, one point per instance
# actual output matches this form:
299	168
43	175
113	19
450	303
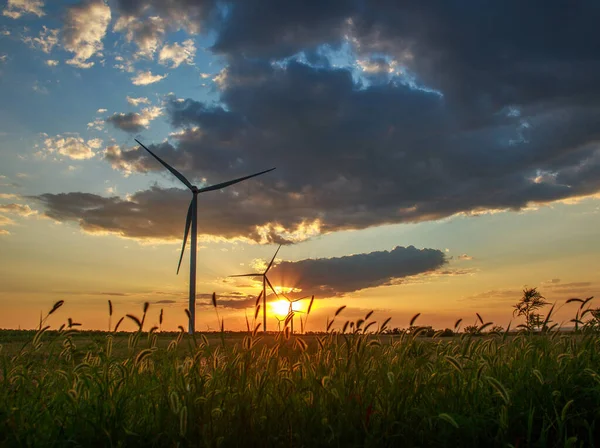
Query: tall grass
343	389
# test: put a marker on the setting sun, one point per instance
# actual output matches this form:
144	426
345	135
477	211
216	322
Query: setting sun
280	307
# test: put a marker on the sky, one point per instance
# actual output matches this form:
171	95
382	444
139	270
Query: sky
431	157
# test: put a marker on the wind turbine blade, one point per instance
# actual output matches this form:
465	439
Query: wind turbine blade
188	222
246	275
177	174
271	286
231	182
273	259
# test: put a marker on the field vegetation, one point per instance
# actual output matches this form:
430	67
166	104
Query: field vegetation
361	385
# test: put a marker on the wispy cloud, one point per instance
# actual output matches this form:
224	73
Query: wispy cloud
17	8
18	209
177	54
145	78
46	41
137	101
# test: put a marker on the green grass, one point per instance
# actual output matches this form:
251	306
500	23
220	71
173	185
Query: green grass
65	388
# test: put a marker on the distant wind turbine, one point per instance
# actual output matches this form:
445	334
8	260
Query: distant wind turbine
192	219
292	311
265	282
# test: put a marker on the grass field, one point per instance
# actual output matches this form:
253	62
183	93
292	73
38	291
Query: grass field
65	388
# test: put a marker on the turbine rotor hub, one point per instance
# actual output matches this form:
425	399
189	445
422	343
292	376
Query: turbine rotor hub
194	189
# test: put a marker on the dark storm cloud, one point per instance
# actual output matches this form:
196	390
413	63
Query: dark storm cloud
329	277
484	54
514	119
353	156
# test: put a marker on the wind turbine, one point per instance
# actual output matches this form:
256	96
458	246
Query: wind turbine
291	311
279	321
192	219
265	282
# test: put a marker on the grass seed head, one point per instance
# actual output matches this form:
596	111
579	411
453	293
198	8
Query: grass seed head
56	306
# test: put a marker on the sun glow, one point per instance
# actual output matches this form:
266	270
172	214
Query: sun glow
280	307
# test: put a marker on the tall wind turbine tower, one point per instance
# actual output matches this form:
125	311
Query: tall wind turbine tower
192	220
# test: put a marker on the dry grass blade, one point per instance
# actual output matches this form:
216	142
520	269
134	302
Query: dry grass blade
457	323
384	325
118	324
339	310
136	320
369	314
414	318
368	326
301	344
187	313
142	355
160	317
448	419
585	302
545	325
146	306
257	303
310	305
256	312
454	362
214	299
500	389
574	299
484	326
480	318
345	326
110	308
56	306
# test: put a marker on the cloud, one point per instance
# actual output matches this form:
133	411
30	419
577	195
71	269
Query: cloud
124	65
17	8
97	124
178	54
84	28
137	101
72	146
101	111
51	62
150	214
379	115
3	58
145	78
329	277
46	41
354	156
134	122
17	209
147	34
40	88
5	221
4	232
188	15
465	257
